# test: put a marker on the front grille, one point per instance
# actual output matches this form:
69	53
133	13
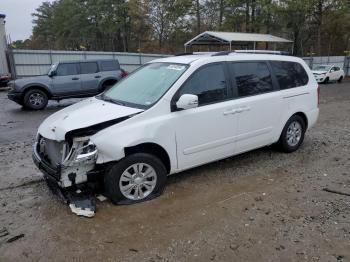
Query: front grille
51	151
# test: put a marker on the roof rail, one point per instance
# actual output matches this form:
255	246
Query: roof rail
194	53
270	52
181	54
222	53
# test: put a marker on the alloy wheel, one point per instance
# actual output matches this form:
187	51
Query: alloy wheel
138	181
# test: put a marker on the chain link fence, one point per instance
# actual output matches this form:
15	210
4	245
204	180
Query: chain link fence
341	61
26	63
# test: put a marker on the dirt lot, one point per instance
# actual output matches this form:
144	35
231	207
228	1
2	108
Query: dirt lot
259	206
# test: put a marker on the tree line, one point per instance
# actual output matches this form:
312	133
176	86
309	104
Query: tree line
317	27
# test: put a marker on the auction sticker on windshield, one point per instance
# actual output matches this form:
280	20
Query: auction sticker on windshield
176	67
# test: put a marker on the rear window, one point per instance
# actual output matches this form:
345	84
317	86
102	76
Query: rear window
109	65
289	74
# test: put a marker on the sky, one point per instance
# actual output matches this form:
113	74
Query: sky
18	17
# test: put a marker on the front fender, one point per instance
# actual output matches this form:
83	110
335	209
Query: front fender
112	141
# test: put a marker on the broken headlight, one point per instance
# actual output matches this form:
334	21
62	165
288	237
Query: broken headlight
86	152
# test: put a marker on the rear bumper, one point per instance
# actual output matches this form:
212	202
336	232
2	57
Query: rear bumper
312	117
4	83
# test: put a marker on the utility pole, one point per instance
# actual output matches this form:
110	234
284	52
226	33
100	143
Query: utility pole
3	47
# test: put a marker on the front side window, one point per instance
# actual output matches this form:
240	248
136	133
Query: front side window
289	74
67	69
88	68
145	86
252	78
208	83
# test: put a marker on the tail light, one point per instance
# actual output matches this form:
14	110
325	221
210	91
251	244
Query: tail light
124	73
318	95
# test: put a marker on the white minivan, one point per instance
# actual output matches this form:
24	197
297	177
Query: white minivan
177	113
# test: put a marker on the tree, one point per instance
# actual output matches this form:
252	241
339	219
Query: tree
165	17
164	26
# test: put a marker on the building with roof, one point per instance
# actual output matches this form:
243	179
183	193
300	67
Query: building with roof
230	39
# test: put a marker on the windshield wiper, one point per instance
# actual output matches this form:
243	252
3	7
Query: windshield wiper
108	99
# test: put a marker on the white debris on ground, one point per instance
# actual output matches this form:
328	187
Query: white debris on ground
86	212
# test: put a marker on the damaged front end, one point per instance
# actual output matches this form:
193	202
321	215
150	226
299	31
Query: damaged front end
66	166
68	163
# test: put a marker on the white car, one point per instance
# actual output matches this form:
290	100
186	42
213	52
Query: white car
177	113
326	73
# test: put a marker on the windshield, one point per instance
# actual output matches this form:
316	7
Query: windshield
322	68
145	86
52	68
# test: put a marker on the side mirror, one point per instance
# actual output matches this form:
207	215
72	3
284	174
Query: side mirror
51	73
187	101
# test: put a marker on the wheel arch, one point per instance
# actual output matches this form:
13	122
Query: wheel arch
153	149
285	121
36	86
304	117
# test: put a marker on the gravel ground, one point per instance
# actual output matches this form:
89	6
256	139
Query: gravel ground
259	206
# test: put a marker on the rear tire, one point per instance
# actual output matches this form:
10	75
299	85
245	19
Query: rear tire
340	79
292	134
35	99
108	84
135	178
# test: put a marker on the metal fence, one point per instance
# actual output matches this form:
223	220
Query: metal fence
26	63
341	61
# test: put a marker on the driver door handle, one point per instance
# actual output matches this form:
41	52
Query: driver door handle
243	108
237	110
75	78
97	76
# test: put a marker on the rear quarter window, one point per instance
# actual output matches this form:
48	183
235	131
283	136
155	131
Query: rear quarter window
109	65
289	74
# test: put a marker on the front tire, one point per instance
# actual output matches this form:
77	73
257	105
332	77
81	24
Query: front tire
340	79
326	80
135	178
35	99
292	134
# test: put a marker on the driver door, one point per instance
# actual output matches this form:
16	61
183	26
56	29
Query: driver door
66	81
205	133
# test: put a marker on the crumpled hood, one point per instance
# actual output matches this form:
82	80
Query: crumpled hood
319	72
86	113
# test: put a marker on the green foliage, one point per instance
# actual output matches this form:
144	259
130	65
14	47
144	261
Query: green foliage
315	26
